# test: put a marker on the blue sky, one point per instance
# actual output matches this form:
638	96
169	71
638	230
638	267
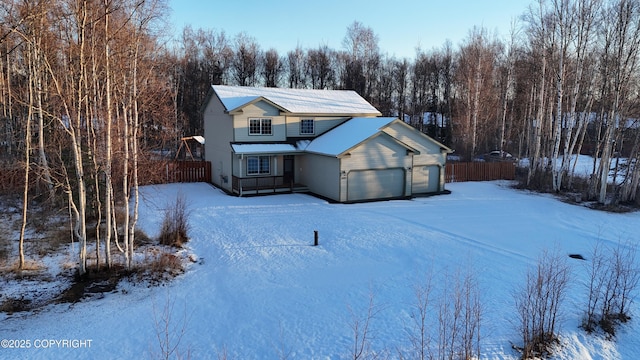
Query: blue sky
401	25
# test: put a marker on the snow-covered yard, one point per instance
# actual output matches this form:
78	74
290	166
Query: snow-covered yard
261	291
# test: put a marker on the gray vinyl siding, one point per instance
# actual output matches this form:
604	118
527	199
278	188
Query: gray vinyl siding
430	152
321	125
380	152
321	174
260	109
218	133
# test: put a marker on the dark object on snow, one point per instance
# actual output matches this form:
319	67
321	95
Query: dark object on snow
496	156
315	237
577	256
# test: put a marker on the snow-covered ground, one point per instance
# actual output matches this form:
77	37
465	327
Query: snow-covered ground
583	166
261	291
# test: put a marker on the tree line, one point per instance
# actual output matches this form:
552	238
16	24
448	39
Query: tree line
564	82
92	90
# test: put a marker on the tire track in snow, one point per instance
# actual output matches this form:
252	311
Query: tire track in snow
457	237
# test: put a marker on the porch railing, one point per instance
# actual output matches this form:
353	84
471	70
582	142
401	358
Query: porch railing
260	185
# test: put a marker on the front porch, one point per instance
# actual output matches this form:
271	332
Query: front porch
256	185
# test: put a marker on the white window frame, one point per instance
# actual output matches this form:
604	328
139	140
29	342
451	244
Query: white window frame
313	127
262	160
262	125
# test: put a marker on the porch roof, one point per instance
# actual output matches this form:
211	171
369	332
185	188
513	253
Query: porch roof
265	148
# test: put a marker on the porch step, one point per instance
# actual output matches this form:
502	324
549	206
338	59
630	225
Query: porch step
300	189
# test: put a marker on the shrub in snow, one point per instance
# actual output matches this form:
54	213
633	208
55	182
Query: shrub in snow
446	317
613	278
538	303
175	226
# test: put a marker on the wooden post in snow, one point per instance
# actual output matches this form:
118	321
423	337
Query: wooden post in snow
315	237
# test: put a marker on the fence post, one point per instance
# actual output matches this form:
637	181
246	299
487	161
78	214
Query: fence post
315	237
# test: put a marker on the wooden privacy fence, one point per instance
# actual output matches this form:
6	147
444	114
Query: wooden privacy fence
189	171
200	171
480	171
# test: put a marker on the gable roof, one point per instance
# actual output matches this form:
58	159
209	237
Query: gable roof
349	134
297	101
443	147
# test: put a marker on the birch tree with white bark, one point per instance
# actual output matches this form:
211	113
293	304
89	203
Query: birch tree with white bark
619	52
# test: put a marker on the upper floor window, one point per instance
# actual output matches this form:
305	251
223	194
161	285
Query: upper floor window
307	127
259	126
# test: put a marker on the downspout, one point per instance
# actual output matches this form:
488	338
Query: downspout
240	159
409	175
443	170
344	176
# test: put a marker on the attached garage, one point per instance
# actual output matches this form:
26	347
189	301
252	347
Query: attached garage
425	179
374	159
375	184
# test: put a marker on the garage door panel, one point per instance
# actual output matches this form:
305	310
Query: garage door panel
425	179
375	184
434	178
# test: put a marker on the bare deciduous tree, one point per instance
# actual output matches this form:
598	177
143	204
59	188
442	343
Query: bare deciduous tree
419	333
476	114
170	330
245	62
361	59
612	282
320	67
295	67
459	317
446	317
272	68
361	327
539	302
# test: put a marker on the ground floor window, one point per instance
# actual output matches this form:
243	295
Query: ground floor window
258	165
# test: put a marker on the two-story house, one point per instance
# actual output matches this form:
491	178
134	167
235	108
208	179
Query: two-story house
332	143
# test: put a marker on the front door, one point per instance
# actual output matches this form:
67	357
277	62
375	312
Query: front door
288	169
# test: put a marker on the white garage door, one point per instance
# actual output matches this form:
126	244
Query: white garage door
375	184
425	179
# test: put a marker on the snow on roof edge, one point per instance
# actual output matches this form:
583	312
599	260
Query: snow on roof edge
310	101
262	148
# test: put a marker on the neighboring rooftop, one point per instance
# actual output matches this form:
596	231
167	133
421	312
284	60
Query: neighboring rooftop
297	101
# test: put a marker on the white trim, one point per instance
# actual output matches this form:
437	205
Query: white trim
260	158
313	126
261	120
